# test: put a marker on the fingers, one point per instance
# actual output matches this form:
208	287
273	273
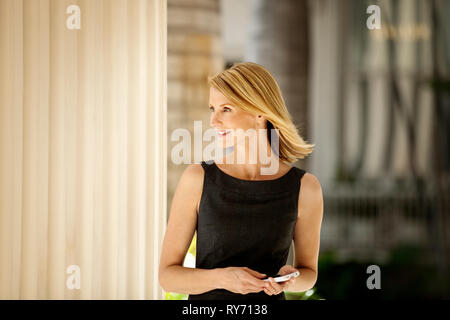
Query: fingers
270	287
252	281
286	270
254	278
255	282
255	273
249	286
252	288
273	288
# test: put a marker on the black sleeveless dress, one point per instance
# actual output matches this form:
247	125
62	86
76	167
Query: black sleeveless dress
245	223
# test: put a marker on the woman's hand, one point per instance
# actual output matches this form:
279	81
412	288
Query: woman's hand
242	280
273	287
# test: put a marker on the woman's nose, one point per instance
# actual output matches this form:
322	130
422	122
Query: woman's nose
214	121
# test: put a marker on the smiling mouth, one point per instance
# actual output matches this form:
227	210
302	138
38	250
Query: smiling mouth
223	133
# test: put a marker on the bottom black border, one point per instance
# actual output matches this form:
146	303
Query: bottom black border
160	309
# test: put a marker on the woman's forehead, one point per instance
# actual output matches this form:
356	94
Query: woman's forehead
217	98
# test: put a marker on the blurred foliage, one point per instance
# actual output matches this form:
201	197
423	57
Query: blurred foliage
409	273
193	247
440	85
176	296
307	295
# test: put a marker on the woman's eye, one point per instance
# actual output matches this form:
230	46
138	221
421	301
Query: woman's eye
224	109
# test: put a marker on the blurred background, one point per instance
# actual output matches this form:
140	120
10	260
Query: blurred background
376	102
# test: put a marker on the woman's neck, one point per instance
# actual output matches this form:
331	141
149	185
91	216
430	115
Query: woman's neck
249	163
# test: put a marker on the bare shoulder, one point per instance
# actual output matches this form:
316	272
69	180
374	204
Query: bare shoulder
194	171
192	176
310	183
310	196
190	186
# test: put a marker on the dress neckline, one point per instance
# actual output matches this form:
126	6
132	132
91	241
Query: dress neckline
253	181
258	188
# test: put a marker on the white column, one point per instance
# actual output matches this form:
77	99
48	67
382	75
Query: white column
82	148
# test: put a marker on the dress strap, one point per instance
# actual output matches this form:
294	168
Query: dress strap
300	172
207	165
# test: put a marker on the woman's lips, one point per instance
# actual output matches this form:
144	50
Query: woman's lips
223	133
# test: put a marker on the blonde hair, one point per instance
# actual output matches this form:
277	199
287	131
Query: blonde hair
251	87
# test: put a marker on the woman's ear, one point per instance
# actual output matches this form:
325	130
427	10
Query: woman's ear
261	121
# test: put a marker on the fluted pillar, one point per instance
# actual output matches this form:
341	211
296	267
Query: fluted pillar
82	148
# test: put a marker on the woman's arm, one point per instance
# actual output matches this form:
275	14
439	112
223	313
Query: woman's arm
307	233
179	233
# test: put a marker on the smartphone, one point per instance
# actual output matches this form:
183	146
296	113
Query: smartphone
280	278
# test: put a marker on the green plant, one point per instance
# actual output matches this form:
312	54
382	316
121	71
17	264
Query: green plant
307	295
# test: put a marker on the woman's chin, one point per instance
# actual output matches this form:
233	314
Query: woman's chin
227	147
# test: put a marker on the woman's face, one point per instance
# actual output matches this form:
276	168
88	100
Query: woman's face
225	116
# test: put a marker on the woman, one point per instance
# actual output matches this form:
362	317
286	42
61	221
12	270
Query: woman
245	220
